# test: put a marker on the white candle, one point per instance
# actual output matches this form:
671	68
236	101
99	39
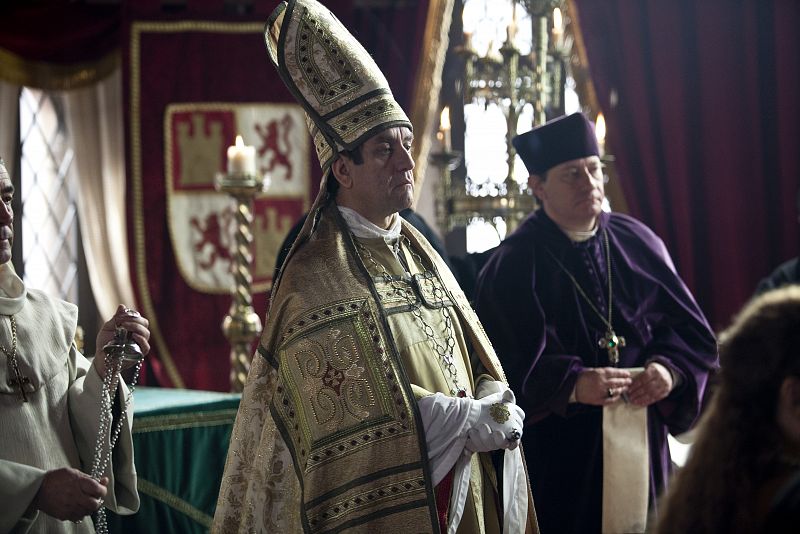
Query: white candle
444	129
600	133
511	30
558	29
241	158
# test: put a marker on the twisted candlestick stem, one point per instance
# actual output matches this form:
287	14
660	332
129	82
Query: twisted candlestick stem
241	325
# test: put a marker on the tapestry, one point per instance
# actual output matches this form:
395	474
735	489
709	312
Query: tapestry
202	221
192	83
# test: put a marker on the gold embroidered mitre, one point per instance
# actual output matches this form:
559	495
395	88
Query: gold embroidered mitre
345	96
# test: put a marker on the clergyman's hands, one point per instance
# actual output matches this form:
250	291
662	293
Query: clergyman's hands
601	385
131	321
650	386
70	495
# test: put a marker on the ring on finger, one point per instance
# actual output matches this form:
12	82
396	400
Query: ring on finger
610	393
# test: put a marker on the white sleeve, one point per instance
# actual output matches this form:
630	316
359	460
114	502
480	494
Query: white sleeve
19	484
446	421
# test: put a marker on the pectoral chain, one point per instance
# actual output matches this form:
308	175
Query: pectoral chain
19	379
610	341
444	350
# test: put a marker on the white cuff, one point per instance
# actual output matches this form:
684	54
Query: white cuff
446	421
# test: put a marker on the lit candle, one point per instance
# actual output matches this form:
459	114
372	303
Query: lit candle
444	129
511	30
600	133
558	29
241	158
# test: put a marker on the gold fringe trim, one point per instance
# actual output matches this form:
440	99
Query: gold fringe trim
429	85
173	501
137	29
53	76
157	423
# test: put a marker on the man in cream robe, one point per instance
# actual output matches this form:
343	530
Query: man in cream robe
363	411
50	407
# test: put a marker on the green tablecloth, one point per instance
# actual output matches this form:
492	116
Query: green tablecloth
180	440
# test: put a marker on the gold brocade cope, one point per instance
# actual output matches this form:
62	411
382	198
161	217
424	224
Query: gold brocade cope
345	95
426	372
328	436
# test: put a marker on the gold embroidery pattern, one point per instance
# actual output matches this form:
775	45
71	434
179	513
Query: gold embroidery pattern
314	37
379	497
392	300
376	112
333	379
432	290
425	286
332	362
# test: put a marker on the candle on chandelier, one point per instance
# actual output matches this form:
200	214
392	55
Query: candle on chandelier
511	30
444	129
600	133
558	29
241	158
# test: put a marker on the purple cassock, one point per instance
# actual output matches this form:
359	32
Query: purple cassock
545	333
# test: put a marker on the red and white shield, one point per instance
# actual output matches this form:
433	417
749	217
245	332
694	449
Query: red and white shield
202	222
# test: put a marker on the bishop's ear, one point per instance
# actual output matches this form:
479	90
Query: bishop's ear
341	171
535	183
790	390
788	416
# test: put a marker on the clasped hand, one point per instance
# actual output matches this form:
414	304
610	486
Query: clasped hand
602	386
131	321
70	495
499	423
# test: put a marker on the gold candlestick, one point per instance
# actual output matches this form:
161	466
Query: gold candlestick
241	325
447	161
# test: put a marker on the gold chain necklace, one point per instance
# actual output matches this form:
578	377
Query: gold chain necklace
19	380
610	341
444	351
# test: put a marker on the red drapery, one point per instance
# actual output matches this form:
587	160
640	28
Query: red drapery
60	32
701	104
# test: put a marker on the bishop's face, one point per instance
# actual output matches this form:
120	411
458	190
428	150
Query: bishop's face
6	215
384	183
572	193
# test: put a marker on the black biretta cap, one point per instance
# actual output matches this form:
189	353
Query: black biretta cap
562	139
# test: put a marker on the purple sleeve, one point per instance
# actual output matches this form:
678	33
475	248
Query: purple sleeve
676	332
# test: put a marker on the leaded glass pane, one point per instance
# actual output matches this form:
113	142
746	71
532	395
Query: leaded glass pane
48	223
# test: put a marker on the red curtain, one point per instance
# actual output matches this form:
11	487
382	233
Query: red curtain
392	32
701	104
59	32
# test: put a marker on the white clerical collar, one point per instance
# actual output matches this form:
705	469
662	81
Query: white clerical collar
365	229
12	290
579	236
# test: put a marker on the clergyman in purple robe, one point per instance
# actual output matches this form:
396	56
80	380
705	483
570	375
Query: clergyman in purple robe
576	301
